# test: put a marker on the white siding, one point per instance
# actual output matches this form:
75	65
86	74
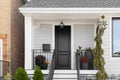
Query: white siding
83	36
42	35
112	65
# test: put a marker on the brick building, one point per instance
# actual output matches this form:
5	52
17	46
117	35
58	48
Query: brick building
11	34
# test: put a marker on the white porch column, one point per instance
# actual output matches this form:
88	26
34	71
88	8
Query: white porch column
28	43
72	48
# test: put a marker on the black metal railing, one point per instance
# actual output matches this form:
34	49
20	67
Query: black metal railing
93	77
4	68
79	56
47	56
113	77
78	63
90	76
52	66
87	77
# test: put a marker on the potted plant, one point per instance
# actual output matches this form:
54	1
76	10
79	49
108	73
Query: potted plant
46	63
84	62
89	54
40	61
88	50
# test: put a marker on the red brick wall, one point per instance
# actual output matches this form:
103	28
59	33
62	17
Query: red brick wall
5	25
5	33
17	36
12	31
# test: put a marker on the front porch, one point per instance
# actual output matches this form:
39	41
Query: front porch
42	31
45	37
40	28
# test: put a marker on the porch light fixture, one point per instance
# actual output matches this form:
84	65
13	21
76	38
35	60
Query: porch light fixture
61	24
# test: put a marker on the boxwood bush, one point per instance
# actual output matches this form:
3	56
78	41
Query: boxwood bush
38	74
20	74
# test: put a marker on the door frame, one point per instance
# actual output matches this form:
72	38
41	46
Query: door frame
72	40
70	59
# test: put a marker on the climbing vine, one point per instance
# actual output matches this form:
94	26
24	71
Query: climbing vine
98	51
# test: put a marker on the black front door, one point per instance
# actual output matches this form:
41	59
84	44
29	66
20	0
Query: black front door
63	47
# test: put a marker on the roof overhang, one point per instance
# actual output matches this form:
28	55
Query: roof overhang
69	10
69	14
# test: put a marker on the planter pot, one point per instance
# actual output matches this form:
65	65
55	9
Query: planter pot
44	66
85	65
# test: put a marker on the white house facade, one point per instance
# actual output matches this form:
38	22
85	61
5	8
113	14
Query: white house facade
42	26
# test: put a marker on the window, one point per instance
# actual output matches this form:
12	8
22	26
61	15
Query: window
0	57
0	49
116	37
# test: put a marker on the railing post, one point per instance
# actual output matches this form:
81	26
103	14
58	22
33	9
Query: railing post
33	58
77	63
51	71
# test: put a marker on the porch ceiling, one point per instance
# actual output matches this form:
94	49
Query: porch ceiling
69	16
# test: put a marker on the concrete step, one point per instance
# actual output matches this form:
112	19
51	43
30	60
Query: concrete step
70	74
65	75
75	71
65	71
31	72
64	79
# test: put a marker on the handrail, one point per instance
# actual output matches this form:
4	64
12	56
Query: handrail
78	64
52	66
38	52
4	61
4	66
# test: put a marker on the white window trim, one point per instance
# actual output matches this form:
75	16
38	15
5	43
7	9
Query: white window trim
1	42
1	58
111	40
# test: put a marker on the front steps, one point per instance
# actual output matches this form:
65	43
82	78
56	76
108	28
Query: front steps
64	74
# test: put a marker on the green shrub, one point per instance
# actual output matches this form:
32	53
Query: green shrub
38	74
20	74
7	76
